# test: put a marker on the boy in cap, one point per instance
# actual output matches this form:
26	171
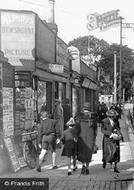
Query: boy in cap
48	134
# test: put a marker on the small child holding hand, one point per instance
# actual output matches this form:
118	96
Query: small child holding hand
69	140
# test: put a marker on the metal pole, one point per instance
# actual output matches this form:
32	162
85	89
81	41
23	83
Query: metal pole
89	48
120	90
115	81
123	96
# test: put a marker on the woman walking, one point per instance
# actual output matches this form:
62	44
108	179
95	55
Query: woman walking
86	123
111	140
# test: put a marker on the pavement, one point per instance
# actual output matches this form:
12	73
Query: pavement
99	178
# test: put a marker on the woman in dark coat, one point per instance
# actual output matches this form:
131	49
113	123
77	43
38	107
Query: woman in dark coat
111	140
86	138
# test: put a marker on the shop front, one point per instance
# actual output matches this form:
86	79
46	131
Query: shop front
36	80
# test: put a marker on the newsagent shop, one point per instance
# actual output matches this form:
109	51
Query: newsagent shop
38	79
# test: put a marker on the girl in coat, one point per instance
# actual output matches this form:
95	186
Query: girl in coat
69	140
111	140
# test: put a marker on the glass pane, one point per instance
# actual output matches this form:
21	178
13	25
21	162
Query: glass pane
41	94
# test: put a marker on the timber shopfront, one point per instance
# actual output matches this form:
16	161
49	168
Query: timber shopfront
30	47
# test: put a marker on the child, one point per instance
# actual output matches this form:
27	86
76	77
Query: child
69	140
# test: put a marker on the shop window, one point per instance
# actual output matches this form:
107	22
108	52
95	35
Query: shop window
56	90
41	94
44	95
24	102
60	91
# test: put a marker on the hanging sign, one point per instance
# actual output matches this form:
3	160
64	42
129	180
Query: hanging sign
103	21
73	52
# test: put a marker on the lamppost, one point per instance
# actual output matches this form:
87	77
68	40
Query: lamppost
73	54
115	79
120	78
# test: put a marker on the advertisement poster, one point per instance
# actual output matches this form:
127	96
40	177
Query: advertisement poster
8	119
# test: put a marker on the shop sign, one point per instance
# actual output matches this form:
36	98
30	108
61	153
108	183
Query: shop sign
73	52
103	21
17	36
128	25
56	68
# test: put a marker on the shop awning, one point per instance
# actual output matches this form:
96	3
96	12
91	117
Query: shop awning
87	83
44	75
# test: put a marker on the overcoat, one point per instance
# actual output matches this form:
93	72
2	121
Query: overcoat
68	139
110	147
86	137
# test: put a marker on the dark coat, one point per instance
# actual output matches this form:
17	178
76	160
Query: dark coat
70	146
110	147
86	138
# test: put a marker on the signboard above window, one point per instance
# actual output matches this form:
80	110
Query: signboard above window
17	36
55	68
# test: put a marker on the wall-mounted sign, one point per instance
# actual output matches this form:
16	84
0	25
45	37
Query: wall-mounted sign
103	21
73	52
17	36
56	68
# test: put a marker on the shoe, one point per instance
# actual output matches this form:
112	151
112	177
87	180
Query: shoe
75	168
104	165
38	169
83	170
54	167
69	173
87	171
116	170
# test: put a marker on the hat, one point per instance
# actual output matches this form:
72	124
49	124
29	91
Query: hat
87	106
58	100
111	113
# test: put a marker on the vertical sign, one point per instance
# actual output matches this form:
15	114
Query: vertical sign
8	119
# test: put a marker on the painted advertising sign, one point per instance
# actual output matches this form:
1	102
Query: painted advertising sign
8	120
103	21
17	36
9	143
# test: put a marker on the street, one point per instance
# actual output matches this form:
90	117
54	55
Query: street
98	179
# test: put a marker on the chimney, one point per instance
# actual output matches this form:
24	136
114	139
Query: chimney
51	18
